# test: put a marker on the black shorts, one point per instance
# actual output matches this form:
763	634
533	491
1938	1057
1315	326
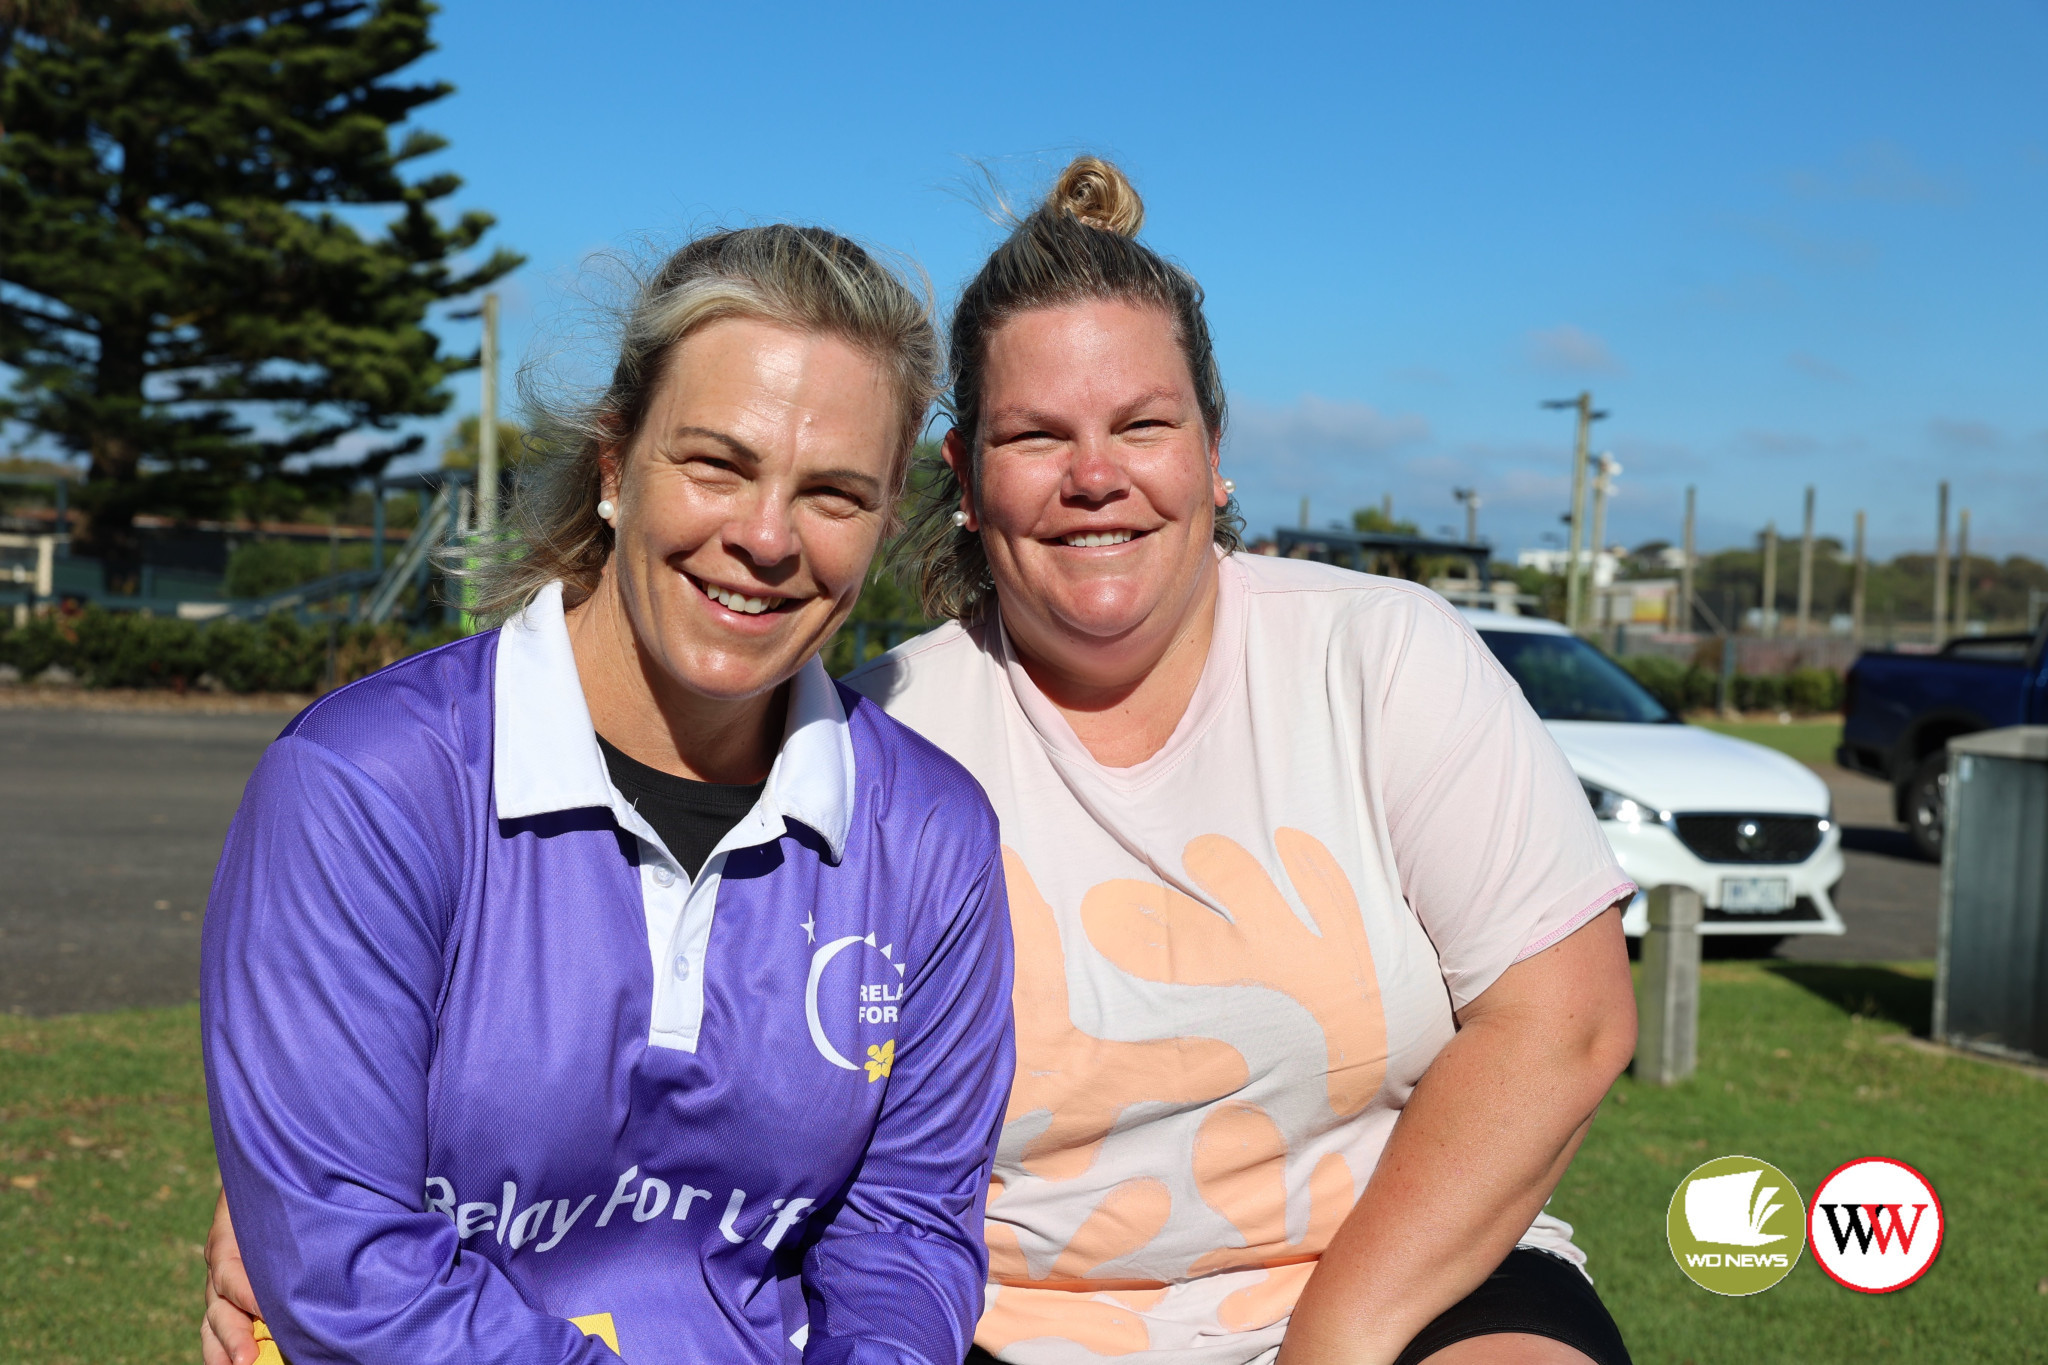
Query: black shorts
1532	1292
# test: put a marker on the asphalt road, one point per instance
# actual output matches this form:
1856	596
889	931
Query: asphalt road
111	821
110	825
1889	899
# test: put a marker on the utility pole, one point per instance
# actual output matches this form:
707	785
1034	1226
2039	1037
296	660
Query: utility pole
1304	511
1856	592
1604	470
1583	404
1470	497
1962	621
1684	622
1387	509
487	425
1941	564
1769	623
1806	568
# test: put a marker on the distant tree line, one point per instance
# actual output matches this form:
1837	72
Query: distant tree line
1896	590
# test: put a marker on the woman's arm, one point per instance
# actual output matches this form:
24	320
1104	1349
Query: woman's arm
321	976
1481	1144
898	1274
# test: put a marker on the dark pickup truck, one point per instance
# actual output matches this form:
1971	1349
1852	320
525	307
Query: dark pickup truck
1901	710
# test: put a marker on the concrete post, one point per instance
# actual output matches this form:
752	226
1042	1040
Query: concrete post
1668	993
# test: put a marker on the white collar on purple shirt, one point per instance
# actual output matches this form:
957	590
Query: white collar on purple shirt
545	754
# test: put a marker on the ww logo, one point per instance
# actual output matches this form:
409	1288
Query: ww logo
1875	1225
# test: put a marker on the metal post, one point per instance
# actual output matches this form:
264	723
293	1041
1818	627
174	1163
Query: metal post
64	512
1684	622
1769	595
1941	564
377	525
1962	618
1304	511
1668	993
1856	592
1806	567
487	425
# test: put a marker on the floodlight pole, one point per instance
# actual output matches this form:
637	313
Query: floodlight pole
1470	497
1806	568
1604	470
487	425
1583	404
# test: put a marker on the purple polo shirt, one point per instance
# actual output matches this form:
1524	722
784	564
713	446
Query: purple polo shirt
482	1061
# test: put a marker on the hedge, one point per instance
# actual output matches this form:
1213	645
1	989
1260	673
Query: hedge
1688	687
277	654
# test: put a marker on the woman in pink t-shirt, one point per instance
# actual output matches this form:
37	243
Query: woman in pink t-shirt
1320	967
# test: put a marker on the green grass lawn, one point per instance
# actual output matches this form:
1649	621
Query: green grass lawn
106	1179
1800	1065
106	1186
1809	741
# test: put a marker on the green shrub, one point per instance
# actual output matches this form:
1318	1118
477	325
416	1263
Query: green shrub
1681	687
1665	678
277	654
1759	692
1812	690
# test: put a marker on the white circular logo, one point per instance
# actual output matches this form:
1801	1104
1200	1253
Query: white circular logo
1874	1225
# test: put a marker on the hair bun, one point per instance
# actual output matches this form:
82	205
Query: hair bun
1096	193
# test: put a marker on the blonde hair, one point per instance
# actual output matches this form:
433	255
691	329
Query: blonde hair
1078	244
801	277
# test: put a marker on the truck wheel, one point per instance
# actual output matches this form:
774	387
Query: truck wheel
1927	804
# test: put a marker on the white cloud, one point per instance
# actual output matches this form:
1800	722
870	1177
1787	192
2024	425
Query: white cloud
1319	428
1880	171
1815	367
1566	349
1963	433
1772	442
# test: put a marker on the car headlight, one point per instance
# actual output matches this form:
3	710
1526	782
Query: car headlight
1612	805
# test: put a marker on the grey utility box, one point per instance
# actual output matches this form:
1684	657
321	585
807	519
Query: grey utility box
1991	991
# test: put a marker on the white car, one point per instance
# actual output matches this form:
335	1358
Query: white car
1750	829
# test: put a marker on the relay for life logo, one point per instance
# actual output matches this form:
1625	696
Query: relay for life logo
1875	1225
1736	1225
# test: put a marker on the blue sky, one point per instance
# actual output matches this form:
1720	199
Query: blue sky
1785	244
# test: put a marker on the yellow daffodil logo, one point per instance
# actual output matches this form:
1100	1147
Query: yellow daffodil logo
880	1059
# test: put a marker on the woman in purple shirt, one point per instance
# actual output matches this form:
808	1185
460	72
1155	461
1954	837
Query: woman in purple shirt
615	981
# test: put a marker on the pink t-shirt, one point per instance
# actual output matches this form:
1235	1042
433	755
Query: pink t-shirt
1236	959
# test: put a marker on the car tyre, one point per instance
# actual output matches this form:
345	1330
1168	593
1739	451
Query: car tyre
1927	804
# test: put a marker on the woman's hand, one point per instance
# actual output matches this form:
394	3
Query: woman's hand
1484	1139
225	1335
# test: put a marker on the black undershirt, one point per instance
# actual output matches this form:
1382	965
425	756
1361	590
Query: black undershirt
691	817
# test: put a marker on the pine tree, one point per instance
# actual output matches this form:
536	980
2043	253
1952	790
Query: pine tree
184	299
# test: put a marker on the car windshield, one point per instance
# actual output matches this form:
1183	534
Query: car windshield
1565	678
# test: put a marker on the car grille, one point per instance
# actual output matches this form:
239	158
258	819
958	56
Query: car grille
1750	838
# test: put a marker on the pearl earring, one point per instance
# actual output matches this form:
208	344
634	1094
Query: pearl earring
960	520
1230	485
607	509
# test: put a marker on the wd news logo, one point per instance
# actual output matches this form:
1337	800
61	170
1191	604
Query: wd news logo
1736	1225
1876	1225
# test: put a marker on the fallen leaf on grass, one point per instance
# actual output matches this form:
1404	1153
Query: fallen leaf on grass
22	1182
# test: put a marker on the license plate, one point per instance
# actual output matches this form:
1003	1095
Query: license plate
1755	895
